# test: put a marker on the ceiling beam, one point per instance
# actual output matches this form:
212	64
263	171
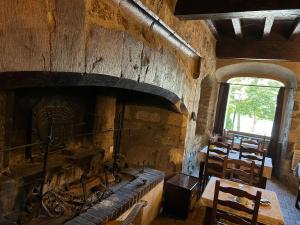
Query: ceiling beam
259	50
296	30
213	28
237	27
228	9
269	21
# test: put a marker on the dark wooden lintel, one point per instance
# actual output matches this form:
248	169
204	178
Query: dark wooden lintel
33	79
259	50
228	9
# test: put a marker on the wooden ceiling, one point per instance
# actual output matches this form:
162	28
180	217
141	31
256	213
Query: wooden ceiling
251	29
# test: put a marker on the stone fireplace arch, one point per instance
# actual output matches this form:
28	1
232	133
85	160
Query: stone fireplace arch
15	80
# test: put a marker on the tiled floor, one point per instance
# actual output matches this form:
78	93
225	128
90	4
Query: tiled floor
287	202
286	199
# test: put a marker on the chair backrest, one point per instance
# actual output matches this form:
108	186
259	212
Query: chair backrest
264	145
252	154
248	142
239	171
218	215
257	155
216	153
229	140
220	148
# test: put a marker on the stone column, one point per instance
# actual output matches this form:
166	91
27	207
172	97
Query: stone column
104	124
207	108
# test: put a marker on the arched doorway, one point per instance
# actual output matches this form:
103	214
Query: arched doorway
274	72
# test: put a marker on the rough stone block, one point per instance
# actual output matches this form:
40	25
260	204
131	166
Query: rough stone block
148	116
104	51
175	119
131	60
170	81
68	36
148	64
24	36
176	156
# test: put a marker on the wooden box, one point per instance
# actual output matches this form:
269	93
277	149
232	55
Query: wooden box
180	195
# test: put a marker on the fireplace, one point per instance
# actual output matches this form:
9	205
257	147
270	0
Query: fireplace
82	154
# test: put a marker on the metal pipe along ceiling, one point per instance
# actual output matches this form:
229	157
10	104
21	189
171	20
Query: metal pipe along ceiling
143	15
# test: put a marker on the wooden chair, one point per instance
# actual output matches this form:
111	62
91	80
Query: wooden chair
214	160
219	217
264	145
246	142
258	156
220	147
239	171
229	140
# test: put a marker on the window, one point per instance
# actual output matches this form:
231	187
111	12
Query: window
251	105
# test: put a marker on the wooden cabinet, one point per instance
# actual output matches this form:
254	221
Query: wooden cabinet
180	195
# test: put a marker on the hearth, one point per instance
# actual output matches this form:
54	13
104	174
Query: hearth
61	162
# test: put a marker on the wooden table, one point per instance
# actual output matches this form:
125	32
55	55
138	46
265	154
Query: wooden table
267	173
269	215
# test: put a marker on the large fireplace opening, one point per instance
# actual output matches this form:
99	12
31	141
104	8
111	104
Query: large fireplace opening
66	151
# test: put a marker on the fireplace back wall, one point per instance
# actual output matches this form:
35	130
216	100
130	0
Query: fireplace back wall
159	135
74	109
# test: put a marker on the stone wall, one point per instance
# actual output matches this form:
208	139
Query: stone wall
207	106
204	121
291	135
154	136
105	124
95	36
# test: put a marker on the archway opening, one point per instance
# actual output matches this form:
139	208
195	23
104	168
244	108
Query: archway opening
251	105
280	150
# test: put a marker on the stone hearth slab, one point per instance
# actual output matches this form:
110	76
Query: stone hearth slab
122	200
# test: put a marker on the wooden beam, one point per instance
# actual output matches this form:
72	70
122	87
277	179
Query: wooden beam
213	28
269	21
236	23
259	50
228	9
296	30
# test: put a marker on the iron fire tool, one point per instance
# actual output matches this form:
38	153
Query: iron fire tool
83	183
45	162
118	134
38	143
